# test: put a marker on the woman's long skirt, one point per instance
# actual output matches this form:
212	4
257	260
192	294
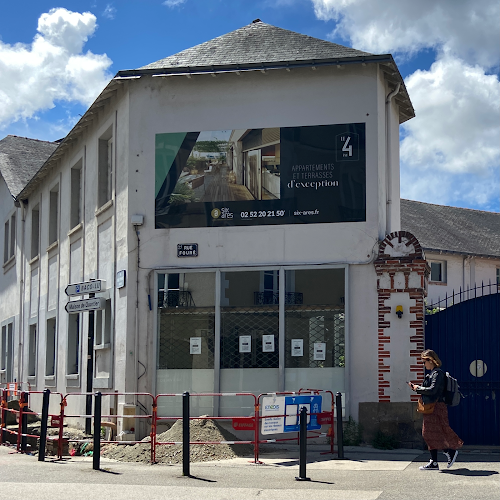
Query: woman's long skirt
437	432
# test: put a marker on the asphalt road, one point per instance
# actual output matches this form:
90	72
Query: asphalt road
365	474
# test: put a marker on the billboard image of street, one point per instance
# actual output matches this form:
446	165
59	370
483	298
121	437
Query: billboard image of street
284	175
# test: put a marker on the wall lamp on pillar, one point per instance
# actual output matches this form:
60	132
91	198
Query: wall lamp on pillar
399	311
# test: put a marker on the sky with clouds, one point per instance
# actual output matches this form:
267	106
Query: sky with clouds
55	58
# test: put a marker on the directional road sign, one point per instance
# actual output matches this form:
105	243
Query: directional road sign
77	306
94	286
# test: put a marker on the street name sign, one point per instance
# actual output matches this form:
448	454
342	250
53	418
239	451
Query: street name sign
77	306
94	286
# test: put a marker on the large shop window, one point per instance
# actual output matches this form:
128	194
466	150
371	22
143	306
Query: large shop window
314	327
185	351
279	329
249	337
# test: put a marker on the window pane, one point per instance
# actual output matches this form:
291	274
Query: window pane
50	353
3	347
73	344
249	339
35	234
12	235
6	243
32	352
243	314
186	325
436	274
53	215
187	315
314	330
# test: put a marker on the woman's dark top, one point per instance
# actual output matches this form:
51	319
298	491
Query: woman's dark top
433	387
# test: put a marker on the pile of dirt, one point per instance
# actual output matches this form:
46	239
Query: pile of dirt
200	430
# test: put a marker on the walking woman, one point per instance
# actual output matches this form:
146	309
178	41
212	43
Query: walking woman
436	430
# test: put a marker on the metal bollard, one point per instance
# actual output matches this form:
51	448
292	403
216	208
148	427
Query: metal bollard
43	428
185	434
23	421
96	454
3	421
303	446
340	430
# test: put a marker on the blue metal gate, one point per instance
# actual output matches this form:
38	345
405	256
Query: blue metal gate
466	336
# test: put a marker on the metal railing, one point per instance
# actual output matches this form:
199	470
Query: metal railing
461	296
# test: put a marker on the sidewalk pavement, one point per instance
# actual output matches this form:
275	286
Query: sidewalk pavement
365	474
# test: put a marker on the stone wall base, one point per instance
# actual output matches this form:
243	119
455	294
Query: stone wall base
400	420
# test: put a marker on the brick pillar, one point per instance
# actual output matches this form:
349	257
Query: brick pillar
402	276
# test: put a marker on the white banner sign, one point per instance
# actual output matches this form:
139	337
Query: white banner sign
267	343
273	405
195	345
297	347
319	351
245	343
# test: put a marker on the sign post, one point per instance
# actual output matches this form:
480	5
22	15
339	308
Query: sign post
89	287
91	304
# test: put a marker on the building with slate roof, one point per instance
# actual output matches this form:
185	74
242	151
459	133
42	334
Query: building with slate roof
20	160
228	203
462	246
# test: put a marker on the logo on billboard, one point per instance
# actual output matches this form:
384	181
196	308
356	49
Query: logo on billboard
348	147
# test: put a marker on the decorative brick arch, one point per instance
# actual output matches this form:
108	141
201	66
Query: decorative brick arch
402	275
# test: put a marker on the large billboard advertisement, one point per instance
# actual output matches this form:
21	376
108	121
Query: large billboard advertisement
247	177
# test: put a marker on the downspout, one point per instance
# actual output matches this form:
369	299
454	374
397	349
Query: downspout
388	173
136	340
20	352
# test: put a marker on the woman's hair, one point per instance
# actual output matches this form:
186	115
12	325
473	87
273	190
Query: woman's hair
430	354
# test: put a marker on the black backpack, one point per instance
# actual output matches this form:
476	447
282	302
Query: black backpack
452	394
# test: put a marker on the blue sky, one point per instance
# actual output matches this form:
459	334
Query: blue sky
53	63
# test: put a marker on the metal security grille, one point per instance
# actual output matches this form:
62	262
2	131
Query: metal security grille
253	322
324	325
176	328
268	297
175	298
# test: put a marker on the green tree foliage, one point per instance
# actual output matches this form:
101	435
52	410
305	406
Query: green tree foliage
210	146
181	194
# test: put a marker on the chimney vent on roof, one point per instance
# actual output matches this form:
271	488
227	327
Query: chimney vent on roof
256	21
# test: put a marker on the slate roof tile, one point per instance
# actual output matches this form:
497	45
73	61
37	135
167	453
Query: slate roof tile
21	158
256	43
443	228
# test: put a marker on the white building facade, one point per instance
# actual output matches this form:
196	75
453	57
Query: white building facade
221	276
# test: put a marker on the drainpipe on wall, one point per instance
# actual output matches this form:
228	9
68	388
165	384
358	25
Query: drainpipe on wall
388	173
136	340
21	296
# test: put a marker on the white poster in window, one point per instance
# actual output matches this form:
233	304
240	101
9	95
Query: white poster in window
195	345
319	351
267	343
297	347
245	343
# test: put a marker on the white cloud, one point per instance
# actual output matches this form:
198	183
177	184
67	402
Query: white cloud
173	3
457	124
445	188
109	11
450	151
52	68
467	28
